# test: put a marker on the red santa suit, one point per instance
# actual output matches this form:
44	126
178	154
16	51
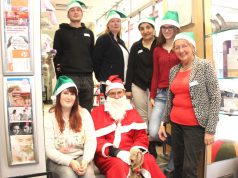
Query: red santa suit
125	135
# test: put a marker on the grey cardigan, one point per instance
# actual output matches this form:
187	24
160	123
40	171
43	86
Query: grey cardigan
204	93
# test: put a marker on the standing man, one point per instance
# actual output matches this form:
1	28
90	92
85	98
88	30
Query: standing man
74	44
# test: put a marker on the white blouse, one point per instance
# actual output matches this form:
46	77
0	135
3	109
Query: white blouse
63	147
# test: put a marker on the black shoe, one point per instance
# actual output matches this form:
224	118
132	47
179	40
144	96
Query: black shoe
152	149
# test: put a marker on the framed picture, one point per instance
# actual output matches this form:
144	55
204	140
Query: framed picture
229	96
20	120
17	53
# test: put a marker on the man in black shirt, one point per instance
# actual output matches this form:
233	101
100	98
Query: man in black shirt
74	44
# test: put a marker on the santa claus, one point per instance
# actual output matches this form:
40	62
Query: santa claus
120	130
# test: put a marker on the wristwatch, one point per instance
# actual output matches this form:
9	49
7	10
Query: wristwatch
162	123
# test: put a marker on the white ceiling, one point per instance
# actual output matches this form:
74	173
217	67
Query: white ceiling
96	9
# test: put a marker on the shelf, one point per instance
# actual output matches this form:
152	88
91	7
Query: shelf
222	31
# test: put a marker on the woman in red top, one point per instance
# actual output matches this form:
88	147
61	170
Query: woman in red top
163	60
192	107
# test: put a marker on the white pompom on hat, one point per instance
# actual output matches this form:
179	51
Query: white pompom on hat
63	83
76	3
114	82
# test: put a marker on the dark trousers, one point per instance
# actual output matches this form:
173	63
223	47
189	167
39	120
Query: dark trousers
187	146
85	90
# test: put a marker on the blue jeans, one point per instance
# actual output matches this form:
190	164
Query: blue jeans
157	113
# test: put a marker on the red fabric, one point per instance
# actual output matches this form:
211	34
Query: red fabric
132	138
182	111
163	61
215	148
115	79
113	167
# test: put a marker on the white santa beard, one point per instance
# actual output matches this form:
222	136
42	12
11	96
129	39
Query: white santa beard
117	107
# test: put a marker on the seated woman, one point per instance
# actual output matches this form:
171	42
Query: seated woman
69	134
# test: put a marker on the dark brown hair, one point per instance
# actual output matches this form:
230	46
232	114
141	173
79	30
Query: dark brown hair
75	120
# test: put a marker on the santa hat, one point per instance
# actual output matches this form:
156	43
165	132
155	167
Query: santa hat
150	20
114	14
171	18
114	82
189	36
63	82
76	3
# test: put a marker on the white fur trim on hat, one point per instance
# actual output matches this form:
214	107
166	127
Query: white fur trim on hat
181	36
113	86
63	87
75	4
116	16
170	22
146	20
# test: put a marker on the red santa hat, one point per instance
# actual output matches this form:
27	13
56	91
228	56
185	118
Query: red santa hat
114	82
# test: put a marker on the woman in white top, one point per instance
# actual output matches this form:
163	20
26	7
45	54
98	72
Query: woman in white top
69	134
110	55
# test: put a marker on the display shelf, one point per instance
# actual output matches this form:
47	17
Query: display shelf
229	31
225	52
222	47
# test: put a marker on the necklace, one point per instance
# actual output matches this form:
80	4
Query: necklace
184	68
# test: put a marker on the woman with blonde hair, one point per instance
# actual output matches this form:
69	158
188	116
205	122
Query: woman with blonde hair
192	107
110	56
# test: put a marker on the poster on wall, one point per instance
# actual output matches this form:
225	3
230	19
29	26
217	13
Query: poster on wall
229	96
19	120
16	38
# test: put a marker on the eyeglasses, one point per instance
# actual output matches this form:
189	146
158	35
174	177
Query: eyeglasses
169	28
113	94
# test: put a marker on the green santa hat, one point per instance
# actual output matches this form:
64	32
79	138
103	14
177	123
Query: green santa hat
76	3
63	83
171	18
189	36
114	14
150	20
